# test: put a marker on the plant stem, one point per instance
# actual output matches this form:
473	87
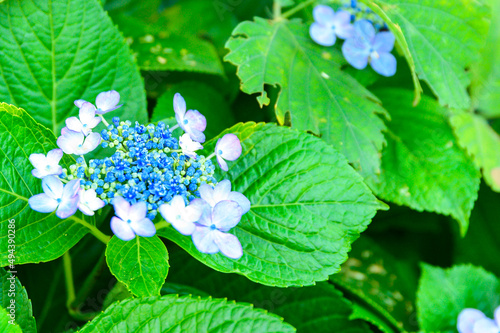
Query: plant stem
68	277
89	282
173	128
210	156
297	8
93	230
276	10
104	121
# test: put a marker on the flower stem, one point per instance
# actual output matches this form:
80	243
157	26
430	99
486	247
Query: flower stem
276	10
161	225
173	128
104	120
297	8
89	282
210	156
93	230
68	276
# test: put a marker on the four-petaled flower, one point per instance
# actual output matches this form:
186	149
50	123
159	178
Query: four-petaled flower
46	165
89	202
189	146
87	119
72	142
57	197
192	122
222	191
328	25
181	217
210	235
475	321
131	220
227	148
367	46
105	102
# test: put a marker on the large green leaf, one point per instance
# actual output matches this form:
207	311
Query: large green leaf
315	94
443	293
477	137
57	51
199	96
5	323
444	37
422	165
308	206
12	289
39	237
184	314
314	309
141	264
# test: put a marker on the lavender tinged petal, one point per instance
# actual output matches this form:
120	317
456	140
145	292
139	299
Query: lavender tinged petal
323	14
74	124
497	316
43	203
207	194
221	191
79	102
54	156
122	229
467	318
241	200
71	189
204	210
228	244
196	120
179	106
53	187
122	208
342	23
384	42
67	207
144	227
485	325
322	34
91	143
89	202
87	112
196	135
222	163
385	64
365	31
226	215
203	239
69	141
137	212
107	101
228	147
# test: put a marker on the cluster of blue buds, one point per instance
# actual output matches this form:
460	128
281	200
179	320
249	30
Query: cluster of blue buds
149	172
367	40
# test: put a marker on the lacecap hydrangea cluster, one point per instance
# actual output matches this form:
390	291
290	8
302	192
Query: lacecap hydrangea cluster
367	40
149	172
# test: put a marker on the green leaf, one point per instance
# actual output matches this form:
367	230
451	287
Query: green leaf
381	287
72	52
477	137
434	31
39	237
308	206
199	96
141	264
5	325
12	289
443	293
315	95
314	309
485	89
480	246
422	165
184	314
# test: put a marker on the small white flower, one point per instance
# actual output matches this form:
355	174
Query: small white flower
89	202
57	197
189	146
181	217
46	165
105	102
86	121
474	321
72	142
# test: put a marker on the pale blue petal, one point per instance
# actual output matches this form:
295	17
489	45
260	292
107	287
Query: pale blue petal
364	29
467	318
222	163
485	325
144	227
241	200
384	42
42	203
137	212
54	156
204	241
179	107
53	187
196	120
342	24
228	244
226	215
323	14
228	147
122	229
356	53
322	34
121	207
385	64
68	207
207	194
107	101
71	189
221	191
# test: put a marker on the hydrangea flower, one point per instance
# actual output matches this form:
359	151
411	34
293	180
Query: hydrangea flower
105	102
192	122
367	46
189	146
131	220
329	25
86	121
46	165
227	148
72	142
210	235
181	217
222	191
89	202
57	197
475	321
